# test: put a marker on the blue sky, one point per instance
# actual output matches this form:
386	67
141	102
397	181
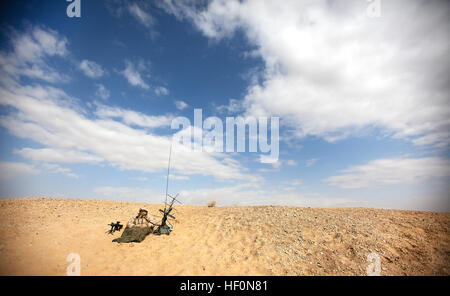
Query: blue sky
86	103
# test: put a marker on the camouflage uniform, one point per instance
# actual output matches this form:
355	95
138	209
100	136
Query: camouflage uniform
137	229
140	222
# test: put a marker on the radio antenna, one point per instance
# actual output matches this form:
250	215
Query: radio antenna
168	173
163	228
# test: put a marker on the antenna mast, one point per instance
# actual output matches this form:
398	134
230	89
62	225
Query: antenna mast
168	172
163	228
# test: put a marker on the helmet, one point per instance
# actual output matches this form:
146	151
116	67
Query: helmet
143	209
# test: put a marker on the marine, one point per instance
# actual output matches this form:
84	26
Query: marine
137	228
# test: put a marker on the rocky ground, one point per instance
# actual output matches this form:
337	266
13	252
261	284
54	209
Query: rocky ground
38	234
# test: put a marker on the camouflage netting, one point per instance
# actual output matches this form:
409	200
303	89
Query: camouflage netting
133	235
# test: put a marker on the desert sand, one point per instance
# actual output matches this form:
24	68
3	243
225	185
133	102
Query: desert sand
37	235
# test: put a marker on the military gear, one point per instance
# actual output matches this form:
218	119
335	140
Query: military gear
137	228
134	235
115	227
141	221
163	229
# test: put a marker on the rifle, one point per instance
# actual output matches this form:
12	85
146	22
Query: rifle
114	227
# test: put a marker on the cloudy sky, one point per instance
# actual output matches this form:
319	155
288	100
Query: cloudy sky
362	90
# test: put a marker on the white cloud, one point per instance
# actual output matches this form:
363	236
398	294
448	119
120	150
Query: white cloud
141	179
139	10
243	194
130	117
57	169
181	105
296	182
291	162
234	106
251	194
161	91
29	51
276	166
108	136
91	69
102	92
133	76
42	115
331	71
385	172
129	194
58	155
178	177
11	170
141	15
311	162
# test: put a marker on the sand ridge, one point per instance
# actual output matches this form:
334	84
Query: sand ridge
38	234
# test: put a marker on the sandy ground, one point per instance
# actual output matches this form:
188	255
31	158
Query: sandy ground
38	234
